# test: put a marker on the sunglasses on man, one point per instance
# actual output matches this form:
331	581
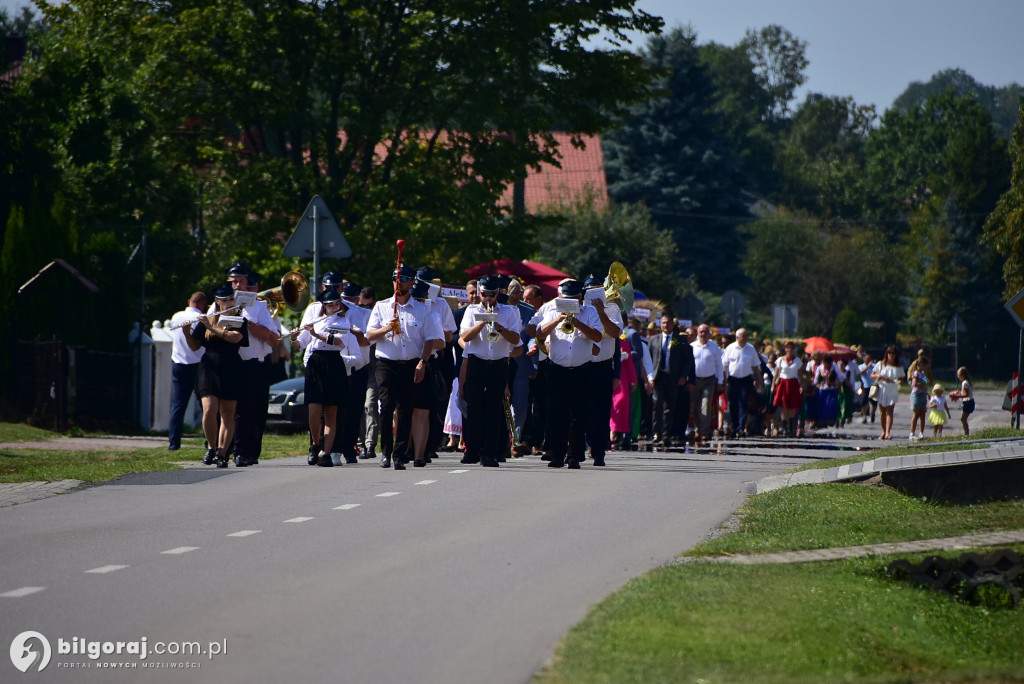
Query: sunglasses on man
488	293
404	279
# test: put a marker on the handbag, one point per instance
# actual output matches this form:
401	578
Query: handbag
873	392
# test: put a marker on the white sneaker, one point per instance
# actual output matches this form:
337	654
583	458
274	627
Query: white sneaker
336	459
913	437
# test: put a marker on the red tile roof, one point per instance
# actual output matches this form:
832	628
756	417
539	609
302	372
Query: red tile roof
582	169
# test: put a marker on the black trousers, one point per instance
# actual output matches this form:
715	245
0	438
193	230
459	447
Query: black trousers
739	392
537	416
350	415
483	426
251	410
666	396
397	393
600	414
567	411
681	416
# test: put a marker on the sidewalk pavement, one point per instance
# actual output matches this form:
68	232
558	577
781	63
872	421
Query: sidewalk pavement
966	541
23	492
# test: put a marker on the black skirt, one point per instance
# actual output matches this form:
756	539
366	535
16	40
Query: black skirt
326	379
221	368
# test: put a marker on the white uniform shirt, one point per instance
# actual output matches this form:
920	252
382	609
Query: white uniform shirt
257	349
741	362
444	312
574	349
645	346
707	360
609	344
344	342
359	318
180	352
418	326
480	346
535	321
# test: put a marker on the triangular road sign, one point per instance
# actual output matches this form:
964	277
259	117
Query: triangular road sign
331	243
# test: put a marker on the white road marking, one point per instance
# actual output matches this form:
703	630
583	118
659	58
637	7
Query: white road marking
18	593
390	494
456	472
426	482
179	550
298	520
106	568
244	533
346	507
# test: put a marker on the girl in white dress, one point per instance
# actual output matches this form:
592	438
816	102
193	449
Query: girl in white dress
888	373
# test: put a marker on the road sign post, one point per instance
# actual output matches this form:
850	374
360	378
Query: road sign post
317	235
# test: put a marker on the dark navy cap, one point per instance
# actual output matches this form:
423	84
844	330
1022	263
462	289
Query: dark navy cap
254	278
592	281
503	281
224	291
237	269
425	273
406	273
351	289
332	279
570	288
420	289
490	283
328	296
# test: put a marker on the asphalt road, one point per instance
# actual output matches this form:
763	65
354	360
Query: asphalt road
446	573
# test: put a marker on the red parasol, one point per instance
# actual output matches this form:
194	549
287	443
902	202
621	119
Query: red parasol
843	353
531	272
815	344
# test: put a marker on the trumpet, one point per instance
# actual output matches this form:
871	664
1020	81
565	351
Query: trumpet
567	327
492	332
570	307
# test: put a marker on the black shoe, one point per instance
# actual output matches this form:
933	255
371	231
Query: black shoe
574	465
545	456
211	457
173	447
222	460
419	464
399	465
351	458
469	460
599	462
385	461
242	462
489	464
314	455
557	464
326	461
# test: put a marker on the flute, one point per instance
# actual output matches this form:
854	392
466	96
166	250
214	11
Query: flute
398	288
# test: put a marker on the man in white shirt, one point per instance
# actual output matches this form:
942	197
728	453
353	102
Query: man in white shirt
569	351
358	373
184	367
441	361
406	334
251	414
707	363
742	367
487	350
604	368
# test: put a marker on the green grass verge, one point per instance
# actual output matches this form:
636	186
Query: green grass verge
829	515
19	432
32	465
815	622
950	443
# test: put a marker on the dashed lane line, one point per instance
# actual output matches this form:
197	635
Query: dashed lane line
24	591
425	482
244	533
346	507
456	472
300	519
179	550
385	494
104	569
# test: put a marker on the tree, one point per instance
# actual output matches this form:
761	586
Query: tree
669	155
1000	103
779	60
239	111
1004	228
582	239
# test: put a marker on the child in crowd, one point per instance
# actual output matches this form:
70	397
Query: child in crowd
938	410
966	394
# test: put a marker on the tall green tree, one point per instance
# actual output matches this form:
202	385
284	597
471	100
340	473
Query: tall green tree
670	155
585	238
1004	228
1000	102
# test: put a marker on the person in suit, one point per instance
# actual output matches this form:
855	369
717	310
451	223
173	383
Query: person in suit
672	359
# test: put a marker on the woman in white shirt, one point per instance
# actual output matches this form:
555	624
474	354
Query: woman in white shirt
888	373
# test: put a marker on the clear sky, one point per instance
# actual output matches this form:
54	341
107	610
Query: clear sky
871	49
868	49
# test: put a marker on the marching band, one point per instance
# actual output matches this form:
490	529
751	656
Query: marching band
402	351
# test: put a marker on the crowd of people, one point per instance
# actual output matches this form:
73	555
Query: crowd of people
509	375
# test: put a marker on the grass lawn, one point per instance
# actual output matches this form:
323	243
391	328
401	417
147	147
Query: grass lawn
815	622
32	465
844	621
20	432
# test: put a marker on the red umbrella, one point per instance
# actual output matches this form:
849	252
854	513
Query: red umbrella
843	353
531	272
814	344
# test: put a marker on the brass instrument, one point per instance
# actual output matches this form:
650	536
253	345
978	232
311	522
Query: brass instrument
570	307
293	293
492	333
510	423
618	287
